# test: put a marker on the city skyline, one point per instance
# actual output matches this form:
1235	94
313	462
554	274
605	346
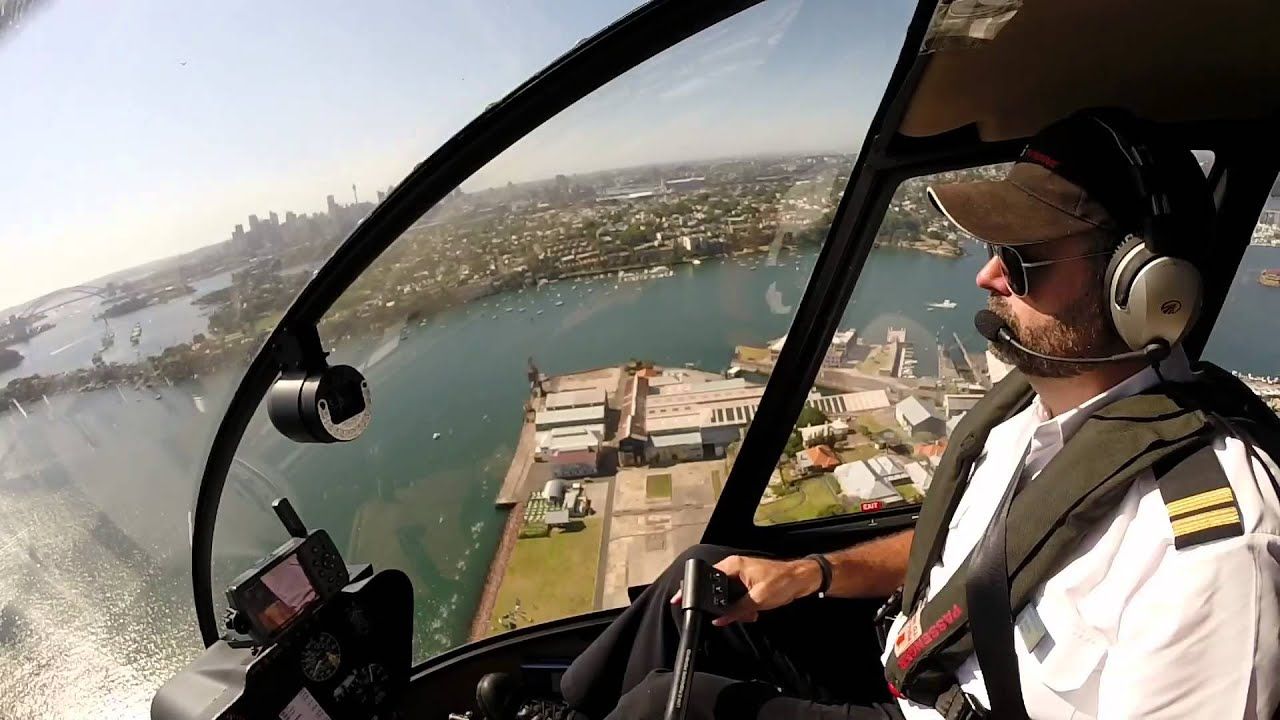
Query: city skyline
274	217
159	149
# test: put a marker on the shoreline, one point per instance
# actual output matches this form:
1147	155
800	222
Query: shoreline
497	570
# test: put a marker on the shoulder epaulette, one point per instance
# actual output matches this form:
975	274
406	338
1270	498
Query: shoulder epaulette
1198	497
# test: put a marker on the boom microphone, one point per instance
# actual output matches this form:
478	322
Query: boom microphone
991	327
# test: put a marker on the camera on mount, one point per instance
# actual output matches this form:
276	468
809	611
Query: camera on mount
313	402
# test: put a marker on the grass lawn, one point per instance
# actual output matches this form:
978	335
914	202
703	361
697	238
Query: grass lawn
874	425
909	492
815	495
862	452
553	577
658	486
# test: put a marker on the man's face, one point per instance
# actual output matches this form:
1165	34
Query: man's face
1064	312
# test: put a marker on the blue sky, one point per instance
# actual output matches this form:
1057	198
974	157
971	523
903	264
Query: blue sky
117	153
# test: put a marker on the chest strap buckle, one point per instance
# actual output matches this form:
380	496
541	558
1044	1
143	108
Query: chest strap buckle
956	704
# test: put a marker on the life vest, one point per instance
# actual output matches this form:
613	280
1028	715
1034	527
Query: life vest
1167	429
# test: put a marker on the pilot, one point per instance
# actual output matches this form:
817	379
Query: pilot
1099	540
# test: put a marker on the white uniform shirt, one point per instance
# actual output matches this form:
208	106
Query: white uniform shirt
1131	627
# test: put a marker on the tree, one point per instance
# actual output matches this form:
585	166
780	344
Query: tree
811	416
795	444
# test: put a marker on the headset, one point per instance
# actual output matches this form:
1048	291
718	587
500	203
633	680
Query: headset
1154	292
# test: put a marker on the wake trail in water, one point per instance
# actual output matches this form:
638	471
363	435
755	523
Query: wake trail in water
69	345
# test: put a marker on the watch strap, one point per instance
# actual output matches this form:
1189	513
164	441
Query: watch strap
824	565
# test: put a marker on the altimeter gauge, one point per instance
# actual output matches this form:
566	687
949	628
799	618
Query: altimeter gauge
321	657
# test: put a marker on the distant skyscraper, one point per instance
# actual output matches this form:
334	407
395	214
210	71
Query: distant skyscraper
381	196
290	216
254	222
354	196
333	206
273	219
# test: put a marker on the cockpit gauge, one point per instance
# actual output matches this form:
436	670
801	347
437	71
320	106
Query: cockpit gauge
321	657
366	686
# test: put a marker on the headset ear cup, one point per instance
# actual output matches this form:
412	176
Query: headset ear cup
1121	268
1153	298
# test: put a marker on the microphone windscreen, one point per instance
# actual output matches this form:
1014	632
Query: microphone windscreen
988	324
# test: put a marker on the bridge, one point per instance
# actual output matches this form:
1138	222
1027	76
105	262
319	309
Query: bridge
59	298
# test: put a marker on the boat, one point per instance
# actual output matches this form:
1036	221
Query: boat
404	333
947	304
1270	278
435	436
135	337
695	261
559	303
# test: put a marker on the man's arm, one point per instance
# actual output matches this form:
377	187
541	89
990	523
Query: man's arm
871	569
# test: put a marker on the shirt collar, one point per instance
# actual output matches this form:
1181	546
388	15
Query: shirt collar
1051	433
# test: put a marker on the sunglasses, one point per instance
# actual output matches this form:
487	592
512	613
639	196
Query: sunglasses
1015	268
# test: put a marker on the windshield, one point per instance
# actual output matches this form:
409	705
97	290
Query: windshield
550	350
173	175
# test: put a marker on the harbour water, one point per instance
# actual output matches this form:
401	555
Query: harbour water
95	488
77	334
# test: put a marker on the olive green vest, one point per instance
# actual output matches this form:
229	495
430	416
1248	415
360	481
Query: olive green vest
1168	426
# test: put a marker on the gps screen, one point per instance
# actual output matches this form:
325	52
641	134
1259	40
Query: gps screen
282	593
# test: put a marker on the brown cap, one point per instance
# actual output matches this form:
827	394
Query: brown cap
1071	179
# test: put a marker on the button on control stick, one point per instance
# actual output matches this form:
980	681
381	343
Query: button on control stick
705	593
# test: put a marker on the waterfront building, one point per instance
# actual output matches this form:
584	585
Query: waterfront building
550	419
921	476
847	405
575	463
570	399
914	417
569	439
825	433
819	457
859	482
955	404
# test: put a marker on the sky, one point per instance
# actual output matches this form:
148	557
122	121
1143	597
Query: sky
138	129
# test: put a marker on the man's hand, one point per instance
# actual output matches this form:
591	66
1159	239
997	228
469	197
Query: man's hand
770	584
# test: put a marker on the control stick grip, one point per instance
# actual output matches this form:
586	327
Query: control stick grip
705	592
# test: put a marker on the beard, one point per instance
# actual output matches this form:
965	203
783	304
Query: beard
1082	330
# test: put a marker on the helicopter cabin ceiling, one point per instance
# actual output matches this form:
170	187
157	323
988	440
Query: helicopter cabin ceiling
1009	68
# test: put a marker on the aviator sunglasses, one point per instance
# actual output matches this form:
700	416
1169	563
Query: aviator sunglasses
1015	268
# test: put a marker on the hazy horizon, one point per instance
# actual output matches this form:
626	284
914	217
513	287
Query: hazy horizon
149	131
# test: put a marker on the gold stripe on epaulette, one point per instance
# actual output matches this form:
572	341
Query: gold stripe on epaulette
1205	520
1200	501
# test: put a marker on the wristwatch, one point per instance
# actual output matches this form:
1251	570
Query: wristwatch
825	566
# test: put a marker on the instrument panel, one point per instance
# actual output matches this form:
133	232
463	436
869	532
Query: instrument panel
348	658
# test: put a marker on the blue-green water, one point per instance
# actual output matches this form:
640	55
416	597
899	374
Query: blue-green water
95	488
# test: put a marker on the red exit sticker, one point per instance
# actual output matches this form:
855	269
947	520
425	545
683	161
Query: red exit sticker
869	506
